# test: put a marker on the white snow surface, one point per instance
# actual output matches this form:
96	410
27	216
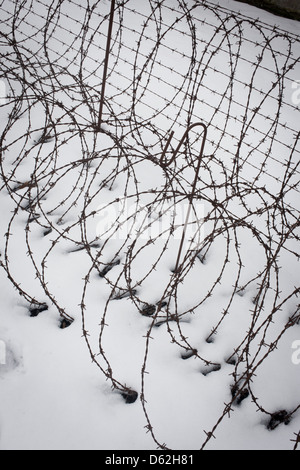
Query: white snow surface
52	394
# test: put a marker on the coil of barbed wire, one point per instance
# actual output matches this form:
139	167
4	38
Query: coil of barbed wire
119	197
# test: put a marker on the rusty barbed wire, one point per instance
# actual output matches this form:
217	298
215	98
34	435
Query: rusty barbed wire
61	176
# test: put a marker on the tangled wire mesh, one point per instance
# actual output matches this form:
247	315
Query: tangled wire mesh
149	204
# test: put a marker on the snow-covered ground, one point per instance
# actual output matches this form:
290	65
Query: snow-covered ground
91	225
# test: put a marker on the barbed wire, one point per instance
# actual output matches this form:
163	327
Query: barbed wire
63	177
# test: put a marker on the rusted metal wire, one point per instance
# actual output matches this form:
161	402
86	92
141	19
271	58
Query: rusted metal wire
106	61
192	195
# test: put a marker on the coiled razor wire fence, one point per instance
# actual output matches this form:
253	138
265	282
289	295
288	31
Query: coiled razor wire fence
112	203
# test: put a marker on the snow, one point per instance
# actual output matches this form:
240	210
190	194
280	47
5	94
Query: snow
95	193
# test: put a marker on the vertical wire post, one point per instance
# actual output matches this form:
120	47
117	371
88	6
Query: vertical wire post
109	34
192	195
